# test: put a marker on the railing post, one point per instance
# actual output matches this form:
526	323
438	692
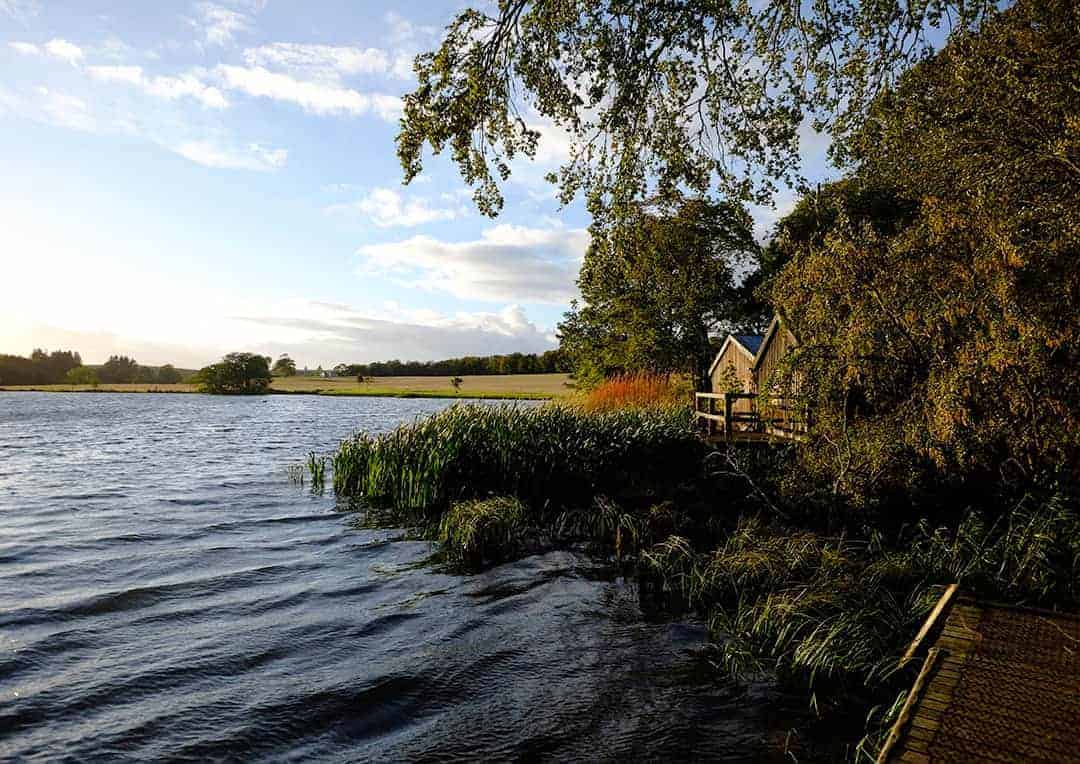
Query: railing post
727	416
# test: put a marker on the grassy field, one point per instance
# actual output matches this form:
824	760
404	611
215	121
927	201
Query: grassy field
532	386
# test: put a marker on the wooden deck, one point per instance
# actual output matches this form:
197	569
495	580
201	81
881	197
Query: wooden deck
739	418
999	684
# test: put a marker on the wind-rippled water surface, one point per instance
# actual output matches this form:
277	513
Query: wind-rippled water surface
165	592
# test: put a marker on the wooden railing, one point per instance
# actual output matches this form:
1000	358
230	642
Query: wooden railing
740	416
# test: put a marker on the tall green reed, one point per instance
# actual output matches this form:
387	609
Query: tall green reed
550	457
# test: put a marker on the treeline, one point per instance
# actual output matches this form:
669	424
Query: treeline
551	362
66	367
41	368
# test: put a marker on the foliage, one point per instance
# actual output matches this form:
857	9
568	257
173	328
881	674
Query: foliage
316	466
484	530
653	289
119	369
549	362
658	95
284	367
81	375
551	457
41	368
168	375
641	390
236	374
939	334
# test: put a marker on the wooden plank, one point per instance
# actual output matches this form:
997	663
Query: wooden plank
710	417
915	758
904	717
942	603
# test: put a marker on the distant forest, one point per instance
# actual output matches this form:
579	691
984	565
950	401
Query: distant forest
551	362
66	367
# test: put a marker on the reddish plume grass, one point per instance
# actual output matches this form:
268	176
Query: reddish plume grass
638	390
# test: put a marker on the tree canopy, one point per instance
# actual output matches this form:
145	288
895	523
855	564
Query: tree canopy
119	369
655	287
284	367
236	374
936	292
41	368
658	96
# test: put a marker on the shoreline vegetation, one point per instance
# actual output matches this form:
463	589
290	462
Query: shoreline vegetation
794	586
477	387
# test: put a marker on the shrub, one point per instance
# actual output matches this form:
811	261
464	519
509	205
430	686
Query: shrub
641	390
484	530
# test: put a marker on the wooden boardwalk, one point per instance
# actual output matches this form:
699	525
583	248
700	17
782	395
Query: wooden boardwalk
999	684
737	418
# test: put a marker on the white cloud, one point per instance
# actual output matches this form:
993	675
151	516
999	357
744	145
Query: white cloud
388	208
25	48
329	333
402	31
255	157
507	263
314	97
169	88
554	145
64	50
323	62
220	25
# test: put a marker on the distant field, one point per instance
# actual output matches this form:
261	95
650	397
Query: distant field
494	386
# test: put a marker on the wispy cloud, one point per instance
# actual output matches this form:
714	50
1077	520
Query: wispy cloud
66	110
387	208
336	333
315	97
506	263
220	25
167	87
64	50
20	10
254	157
322	62
25	48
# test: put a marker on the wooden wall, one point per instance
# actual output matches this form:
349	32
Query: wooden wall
736	358
780	346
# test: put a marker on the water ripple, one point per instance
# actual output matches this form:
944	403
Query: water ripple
166	593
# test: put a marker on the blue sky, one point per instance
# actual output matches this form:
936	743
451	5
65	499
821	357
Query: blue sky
182	179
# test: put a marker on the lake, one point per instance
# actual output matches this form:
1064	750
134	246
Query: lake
166	592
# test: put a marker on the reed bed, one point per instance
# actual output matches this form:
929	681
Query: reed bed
641	390
550	457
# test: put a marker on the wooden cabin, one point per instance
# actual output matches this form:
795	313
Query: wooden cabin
735	364
739	379
776	344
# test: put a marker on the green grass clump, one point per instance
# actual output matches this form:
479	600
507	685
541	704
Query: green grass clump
486	530
550	457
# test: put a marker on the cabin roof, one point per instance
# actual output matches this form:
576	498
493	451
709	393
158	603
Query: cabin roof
747	343
750	341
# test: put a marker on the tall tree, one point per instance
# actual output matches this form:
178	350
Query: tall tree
236	374
654	287
657	95
284	367
946	338
119	369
